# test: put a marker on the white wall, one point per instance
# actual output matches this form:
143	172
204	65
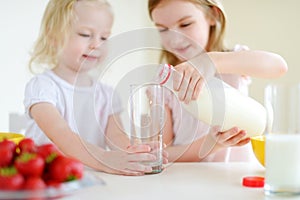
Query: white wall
261	24
271	25
19	27
20	21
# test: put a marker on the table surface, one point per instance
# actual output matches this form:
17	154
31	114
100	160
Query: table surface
208	181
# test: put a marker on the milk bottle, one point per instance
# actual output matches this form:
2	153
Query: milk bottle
222	105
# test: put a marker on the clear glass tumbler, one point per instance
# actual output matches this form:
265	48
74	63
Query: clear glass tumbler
282	150
147	119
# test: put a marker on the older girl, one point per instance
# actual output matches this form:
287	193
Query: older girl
191	31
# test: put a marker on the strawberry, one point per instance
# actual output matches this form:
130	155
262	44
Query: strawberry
10	179
27	145
30	164
34	183
64	169
7	152
48	151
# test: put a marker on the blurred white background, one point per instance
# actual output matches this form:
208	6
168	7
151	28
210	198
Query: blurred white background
270	25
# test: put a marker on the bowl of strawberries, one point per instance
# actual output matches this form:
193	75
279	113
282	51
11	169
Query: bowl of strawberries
28	170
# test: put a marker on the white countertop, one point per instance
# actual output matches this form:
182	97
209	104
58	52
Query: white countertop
211	181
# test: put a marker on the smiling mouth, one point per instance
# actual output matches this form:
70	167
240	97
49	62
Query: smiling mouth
90	57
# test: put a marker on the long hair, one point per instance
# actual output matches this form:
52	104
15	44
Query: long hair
54	31
216	34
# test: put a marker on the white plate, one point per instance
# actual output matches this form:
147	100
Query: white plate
88	180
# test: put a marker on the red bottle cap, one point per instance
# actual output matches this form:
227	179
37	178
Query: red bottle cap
253	181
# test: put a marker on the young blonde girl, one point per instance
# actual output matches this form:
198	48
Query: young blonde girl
68	107
192	31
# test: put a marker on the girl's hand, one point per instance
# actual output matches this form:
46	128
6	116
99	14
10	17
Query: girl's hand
188	80
216	140
232	137
129	163
155	148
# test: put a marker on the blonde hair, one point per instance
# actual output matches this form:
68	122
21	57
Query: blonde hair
217	32
54	31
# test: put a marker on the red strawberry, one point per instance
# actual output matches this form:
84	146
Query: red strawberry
7	152
30	164
34	183
65	169
48	151
10	179
27	145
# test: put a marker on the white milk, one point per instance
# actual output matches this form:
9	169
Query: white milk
282	160
231	106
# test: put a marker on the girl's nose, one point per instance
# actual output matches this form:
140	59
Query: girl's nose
175	38
95	43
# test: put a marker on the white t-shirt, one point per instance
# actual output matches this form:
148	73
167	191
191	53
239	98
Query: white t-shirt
86	109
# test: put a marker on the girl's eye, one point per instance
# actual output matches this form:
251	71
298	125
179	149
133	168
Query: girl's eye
103	38
185	25
162	29
84	35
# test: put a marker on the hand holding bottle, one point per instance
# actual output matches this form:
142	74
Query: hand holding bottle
231	137
188	80
216	103
216	140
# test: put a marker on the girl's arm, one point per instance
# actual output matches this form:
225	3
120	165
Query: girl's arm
188	82
116	137
118	162
260	64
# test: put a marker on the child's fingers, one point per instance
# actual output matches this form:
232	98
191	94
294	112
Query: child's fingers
243	142
140	157
177	78
138	148
165	161
236	139
155	144
165	154
194	79
226	135
137	167
183	89
198	88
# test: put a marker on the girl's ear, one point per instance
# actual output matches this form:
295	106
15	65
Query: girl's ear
214	15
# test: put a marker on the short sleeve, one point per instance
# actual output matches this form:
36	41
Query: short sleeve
39	89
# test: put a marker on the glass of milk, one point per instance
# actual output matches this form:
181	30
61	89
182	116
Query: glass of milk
282	150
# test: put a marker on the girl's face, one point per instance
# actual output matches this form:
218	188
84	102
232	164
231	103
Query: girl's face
183	26
90	28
